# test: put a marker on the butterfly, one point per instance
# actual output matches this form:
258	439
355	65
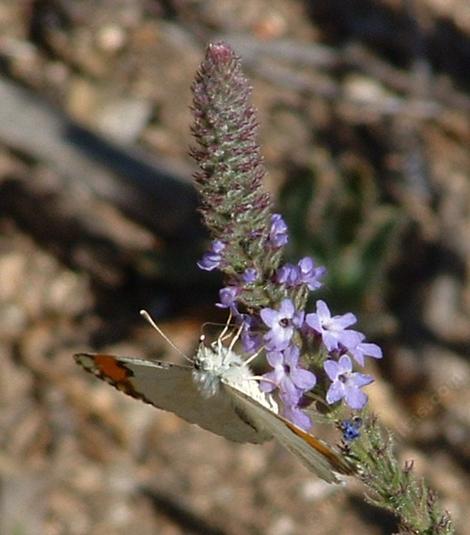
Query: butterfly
219	393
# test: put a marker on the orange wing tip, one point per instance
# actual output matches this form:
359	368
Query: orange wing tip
336	461
110	369
107	366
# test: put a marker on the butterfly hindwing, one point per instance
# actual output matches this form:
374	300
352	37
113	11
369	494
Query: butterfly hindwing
317	456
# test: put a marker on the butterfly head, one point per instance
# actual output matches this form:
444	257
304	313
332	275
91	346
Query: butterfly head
215	363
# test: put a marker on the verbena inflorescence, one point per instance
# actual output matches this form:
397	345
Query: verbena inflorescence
311	353
285	332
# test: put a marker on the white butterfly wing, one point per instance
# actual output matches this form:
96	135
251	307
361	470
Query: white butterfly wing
317	456
171	388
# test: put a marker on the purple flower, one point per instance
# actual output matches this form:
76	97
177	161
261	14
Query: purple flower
228	297
304	272
212	258
251	338
250	275
251	341
297	416
278	232
363	349
281	324
333	328
291	380
288	274
346	383
309	274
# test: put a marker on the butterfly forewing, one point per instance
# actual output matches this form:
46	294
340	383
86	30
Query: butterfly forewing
238	411
170	387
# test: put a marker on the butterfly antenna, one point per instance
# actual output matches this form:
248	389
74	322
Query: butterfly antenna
213	323
252	357
147	317
222	335
227	326
236	337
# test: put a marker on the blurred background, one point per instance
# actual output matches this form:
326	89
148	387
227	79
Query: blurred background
364	108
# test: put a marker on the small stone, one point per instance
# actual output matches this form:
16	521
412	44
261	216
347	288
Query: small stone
111	38
124	119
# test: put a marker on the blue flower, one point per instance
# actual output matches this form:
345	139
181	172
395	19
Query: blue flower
281	324
333	328
309	274
304	272
251	341
288	275
278	232
363	349
211	259
250	275
251	338
351	428
291	380
228	297
297	416
346	383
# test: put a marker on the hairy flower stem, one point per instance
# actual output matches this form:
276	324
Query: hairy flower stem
395	487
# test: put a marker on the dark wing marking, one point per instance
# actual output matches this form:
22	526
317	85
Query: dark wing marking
171	388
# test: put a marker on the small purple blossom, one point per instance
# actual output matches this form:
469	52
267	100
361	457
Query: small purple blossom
251	341
250	275
346	383
288	274
228	297
281	324
363	349
291	380
297	416
211	259
278	233
309	274
304	272
333	328
251	338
